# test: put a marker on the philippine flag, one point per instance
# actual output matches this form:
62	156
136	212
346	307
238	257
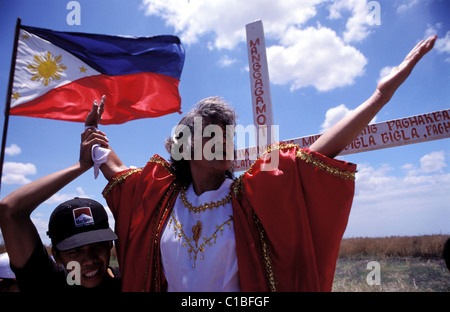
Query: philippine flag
58	75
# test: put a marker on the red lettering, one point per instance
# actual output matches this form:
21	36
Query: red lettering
369	129
261	110
258	82
257	74
428	118
390	124
384	137
437	116
259	91
413	121
420	120
256	66
256	58
252	44
440	128
261	119
310	140
362	142
396	136
447	127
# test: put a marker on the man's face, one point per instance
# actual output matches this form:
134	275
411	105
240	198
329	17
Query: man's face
93	260
216	148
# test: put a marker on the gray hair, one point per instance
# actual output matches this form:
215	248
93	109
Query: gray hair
212	110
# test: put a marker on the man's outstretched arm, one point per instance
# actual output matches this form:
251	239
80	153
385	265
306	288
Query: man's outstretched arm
332	142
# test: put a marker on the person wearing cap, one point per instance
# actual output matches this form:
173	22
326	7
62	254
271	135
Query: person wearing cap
78	229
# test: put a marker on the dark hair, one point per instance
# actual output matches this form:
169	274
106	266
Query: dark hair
212	110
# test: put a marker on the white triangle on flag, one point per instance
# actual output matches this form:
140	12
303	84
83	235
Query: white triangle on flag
42	66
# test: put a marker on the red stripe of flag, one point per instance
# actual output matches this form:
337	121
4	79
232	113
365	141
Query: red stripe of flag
128	97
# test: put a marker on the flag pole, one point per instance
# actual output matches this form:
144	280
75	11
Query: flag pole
8	97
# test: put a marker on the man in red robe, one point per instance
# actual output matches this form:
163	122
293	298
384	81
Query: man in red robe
288	221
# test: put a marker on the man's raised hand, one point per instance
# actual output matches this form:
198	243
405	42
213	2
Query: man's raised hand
95	115
390	83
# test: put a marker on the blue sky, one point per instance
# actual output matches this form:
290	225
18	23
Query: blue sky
399	191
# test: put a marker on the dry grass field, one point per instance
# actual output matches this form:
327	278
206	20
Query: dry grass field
407	264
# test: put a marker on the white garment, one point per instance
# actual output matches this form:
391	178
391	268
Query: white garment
99	154
215	268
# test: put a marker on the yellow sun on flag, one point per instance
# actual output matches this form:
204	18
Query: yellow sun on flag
46	68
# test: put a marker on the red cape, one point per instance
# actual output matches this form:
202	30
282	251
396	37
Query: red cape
288	222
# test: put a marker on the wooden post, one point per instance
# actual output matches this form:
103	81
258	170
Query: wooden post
260	85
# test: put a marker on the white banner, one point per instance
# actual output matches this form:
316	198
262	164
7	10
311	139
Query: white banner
408	130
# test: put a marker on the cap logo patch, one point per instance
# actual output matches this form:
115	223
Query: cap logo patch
83	216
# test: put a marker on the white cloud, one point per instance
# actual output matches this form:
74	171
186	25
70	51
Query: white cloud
405	5
15	173
314	57
41	225
371	182
433	162
377	186
432	30
301	56
13	150
390	203
357	27
442	44
226	18
226	61
335	114
385	71
59	198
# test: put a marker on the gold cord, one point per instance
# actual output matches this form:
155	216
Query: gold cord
196	229
203	207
